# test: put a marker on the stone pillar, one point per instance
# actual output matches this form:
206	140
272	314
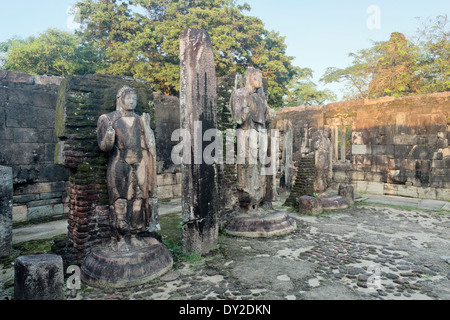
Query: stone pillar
39	277
6	203
347	192
287	161
343	143
198	98
335	143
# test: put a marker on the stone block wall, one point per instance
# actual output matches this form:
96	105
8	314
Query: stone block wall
390	146
167	120
27	144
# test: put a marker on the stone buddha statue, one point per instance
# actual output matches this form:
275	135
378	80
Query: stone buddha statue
253	117
131	173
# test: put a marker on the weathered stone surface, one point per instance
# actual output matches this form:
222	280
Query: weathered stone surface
310	205
392	144
304	181
131	258
198	99
132	178
39	277
27	135
82	100
167	116
287	162
6	210
126	266
333	202
276	224
321	143
348	193
253	118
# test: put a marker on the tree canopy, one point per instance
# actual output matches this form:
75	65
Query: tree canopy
303	91
53	52
141	39
399	67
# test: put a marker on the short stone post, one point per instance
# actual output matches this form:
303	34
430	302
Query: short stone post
198	100
39	277
6	203
347	192
310	206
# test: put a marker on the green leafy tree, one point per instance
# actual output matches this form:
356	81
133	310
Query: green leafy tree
433	41
53	52
303	91
146	45
399	67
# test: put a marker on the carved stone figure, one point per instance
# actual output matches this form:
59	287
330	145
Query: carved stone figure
254	117
256	181
133	256
131	170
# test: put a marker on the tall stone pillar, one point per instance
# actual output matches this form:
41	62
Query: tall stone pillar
6	202
198	99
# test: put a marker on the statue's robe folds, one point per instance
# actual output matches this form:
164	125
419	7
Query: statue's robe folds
131	172
252	115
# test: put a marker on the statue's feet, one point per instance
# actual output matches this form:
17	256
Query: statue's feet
122	246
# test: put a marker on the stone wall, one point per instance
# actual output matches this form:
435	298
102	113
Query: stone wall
390	146
27	144
167	120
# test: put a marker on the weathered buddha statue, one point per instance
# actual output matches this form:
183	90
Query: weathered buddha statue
131	173
253	117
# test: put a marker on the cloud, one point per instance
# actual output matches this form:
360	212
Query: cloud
74	20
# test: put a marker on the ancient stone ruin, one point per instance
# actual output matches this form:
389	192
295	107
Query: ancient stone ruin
100	150
388	146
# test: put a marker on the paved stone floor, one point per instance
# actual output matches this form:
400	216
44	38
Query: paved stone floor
370	251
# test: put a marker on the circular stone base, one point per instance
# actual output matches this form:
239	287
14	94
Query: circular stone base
261	226
110	267
333	202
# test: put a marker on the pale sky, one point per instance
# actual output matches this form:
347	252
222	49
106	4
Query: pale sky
319	33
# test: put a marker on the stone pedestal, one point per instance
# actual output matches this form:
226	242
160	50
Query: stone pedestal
110	266
39	277
310	206
261	226
347	191
330	202
6	203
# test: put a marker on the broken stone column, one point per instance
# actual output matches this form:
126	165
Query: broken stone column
198	98
311	206
6	203
39	277
348	193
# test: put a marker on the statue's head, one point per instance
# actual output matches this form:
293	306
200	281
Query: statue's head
254	78
126	99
